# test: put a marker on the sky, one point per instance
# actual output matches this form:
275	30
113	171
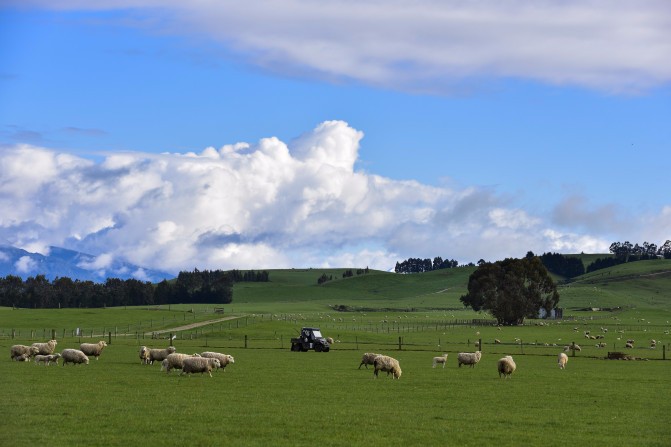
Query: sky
296	133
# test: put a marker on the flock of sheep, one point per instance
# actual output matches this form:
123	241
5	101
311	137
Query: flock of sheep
44	353
505	366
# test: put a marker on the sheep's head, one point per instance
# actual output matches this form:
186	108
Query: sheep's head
102	343
231	359
216	363
171	349
34	350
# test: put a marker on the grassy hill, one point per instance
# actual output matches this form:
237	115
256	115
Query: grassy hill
643	286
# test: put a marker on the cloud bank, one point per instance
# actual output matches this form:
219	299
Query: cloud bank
441	46
273	205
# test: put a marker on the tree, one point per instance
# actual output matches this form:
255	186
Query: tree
511	290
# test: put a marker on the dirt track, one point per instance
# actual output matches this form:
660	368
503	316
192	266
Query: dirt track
186	327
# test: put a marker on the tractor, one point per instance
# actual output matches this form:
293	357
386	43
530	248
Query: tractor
310	338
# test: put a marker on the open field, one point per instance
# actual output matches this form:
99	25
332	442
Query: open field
272	396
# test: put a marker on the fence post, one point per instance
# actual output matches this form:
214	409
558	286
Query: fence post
109	337
400	342
663	352
480	345
13	333
245	341
53	334
170	338
573	348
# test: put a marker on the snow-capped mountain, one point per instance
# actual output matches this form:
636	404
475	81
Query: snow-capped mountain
61	262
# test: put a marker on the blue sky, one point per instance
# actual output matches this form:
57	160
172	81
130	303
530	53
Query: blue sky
372	131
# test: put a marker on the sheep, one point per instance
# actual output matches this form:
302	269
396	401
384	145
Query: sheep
93	349
144	355
74	356
159	354
329	340
224	359
506	366
21	358
199	364
442	359
497	341
562	360
628	345
469	358
388	364
368	359
47	359
567	348
175	361
22	350
46	348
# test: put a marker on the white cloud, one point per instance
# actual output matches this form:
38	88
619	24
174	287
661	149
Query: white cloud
610	45
276	205
25	264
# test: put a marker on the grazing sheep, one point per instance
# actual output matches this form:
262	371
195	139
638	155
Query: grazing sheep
629	345
506	366
562	360
46	348
567	348
21	358
368	359
388	364
159	354
175	361
224	359
22	350
630	341
497	341
144	355
469	358
442	359
329	340
93	349
199	365
74	356
47	359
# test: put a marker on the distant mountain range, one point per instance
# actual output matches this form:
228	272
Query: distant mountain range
61	262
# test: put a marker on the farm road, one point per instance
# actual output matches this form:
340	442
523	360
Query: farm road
186	327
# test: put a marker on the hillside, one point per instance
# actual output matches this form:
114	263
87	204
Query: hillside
644	286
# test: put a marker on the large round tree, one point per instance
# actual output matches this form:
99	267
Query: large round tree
511	290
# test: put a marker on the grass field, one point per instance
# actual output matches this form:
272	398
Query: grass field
271	396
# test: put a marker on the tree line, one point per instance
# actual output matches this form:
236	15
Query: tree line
198	286
417	265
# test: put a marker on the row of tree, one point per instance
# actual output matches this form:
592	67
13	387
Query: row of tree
626	251
417	265
215	287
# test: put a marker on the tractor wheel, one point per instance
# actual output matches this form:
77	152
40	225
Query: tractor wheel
318	348
295	347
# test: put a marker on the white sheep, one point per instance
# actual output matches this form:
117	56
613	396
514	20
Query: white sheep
47	359
506	366
74	356
629	345
469	358
329	340
22	350
441	359
159	354
21	358
175	361
93	349
224	359
144	355
567	348
199	365
46	348
368	359
562	360
388	364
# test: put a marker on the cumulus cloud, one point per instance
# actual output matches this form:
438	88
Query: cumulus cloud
434	45
273	204
25	264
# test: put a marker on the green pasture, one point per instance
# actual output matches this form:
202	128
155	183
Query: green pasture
272	396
